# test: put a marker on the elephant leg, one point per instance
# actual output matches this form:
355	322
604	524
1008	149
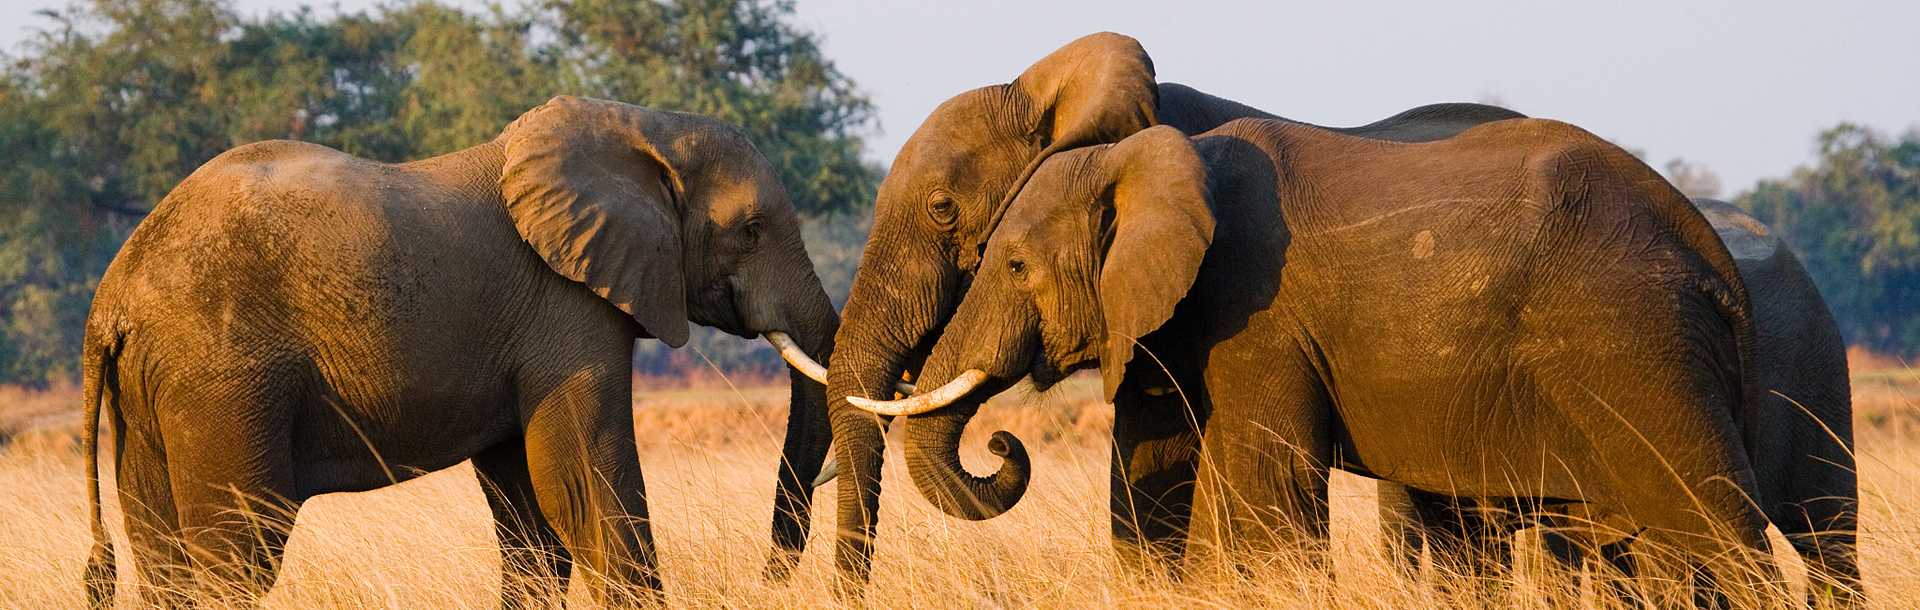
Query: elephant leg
586	479
164	572
1826	543
1618	557
534	564
1823	524
1672	458
1262	486
235	492
1156	449
1572	539
1462	535
1562	548
1402	530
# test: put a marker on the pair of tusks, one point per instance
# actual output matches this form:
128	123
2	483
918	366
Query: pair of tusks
911	405
954	390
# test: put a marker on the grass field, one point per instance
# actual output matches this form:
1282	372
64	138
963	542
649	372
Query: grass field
709	455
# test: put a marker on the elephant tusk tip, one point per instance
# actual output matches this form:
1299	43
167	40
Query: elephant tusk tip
796	357
827	473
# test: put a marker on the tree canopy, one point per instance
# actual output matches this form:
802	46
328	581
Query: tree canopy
113	102
1854	219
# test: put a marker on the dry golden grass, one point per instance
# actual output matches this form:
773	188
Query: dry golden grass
709	456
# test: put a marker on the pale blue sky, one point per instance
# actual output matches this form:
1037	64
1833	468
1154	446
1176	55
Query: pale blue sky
1741	87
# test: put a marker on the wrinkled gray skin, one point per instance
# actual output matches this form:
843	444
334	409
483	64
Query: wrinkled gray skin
293	321
1521	311
1803	459
936	208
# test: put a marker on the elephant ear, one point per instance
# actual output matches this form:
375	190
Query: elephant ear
599	202
1161	227
1095	90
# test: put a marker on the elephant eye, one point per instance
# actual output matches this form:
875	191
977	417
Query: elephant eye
942	210
751	233
1017	267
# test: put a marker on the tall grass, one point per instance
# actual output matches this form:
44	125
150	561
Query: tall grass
709	459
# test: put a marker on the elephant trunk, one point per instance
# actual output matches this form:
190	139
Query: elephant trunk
882	329
810	329
933	461
933	437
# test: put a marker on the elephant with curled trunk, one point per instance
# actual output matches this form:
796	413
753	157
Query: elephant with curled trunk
293	321
1521	311
1802	456
936	208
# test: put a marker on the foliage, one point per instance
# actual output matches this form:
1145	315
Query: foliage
115	101
1693	179
1854	219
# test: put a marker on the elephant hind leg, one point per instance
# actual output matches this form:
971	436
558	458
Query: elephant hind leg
163	572
235	490
534	564
1824	534
1671	461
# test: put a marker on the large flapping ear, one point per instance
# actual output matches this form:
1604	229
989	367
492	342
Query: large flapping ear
1161	228
1094	90
1097	89
587	187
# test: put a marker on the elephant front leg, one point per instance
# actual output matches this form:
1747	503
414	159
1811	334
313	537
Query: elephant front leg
1262	489
1156	452
586	480
534	564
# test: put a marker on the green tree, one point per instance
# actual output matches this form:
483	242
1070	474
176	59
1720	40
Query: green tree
1854	218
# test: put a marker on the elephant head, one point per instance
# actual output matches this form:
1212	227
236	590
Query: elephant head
939	202
1095	252
674	218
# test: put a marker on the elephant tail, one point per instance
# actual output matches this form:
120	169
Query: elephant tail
99	364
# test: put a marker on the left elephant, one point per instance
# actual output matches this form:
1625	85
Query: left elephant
293	321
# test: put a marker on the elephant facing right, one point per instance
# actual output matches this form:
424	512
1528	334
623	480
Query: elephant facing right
1522	311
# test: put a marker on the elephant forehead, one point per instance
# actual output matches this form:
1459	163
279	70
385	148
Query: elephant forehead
1069	175
1056	219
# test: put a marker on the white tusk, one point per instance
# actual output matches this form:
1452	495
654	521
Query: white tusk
931	401
827	473
795	356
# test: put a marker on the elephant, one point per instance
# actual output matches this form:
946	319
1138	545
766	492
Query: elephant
1803	460
933	213
293	321
1523	310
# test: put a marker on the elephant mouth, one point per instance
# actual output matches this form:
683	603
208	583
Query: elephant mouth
716	305
1044	376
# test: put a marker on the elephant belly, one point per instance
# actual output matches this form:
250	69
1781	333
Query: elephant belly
1453	426
348	438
